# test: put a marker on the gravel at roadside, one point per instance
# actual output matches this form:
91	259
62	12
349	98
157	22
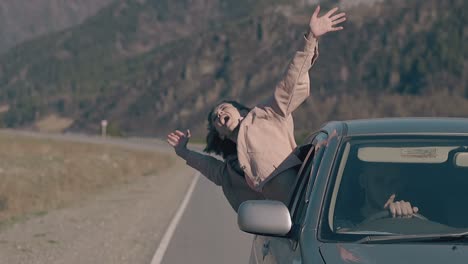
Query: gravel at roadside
120	225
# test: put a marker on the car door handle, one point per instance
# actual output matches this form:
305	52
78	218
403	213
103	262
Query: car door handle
265	249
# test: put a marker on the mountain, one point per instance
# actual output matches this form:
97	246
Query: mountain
151	66
22	20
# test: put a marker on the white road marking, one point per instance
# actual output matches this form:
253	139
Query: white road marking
158	256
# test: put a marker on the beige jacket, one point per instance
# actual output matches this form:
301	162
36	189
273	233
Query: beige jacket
266	134
266	137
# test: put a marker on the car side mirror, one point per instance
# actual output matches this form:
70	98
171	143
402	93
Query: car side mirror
461	159
264	217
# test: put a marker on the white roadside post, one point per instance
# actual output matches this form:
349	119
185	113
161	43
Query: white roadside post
103	128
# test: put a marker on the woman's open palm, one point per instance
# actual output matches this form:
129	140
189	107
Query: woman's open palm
326	23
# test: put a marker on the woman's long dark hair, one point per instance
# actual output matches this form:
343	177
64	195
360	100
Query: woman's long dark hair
214	143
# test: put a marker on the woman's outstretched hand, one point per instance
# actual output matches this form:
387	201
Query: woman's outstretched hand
326	23
179	140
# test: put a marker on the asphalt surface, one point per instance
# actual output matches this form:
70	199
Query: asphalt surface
208	231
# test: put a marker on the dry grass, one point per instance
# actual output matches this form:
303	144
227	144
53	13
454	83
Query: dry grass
53	123
40	174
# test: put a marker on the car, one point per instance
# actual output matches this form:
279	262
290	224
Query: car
349	172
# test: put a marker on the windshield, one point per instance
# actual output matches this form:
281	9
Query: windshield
430	176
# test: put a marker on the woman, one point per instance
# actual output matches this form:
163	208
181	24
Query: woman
258	144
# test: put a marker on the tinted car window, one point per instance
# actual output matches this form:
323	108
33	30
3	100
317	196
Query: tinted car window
431	174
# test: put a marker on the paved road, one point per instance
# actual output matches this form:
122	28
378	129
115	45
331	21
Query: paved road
208	231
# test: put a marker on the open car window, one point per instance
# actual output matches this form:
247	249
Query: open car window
305	177
308	152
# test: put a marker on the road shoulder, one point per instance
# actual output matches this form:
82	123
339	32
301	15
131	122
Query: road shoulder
121	225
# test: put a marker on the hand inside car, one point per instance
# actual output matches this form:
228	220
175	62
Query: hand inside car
400	208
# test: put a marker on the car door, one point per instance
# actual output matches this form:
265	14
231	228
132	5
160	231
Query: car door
267	249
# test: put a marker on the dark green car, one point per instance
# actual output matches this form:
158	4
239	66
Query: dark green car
340	209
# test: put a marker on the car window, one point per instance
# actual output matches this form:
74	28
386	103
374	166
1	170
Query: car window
304	180
427	174
302	177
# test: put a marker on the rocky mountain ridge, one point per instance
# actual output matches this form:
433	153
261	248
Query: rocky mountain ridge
22	20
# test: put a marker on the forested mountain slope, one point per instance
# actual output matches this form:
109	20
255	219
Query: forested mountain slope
151	66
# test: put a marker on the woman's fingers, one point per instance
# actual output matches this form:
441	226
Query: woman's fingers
337	16
173	134
329	13
336	28
172	142
321	25
179	133
316	12
178	139
339	21
173	138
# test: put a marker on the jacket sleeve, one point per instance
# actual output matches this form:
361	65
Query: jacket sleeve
294	88
210	167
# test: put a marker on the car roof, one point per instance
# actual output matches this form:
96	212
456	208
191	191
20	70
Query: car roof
399	126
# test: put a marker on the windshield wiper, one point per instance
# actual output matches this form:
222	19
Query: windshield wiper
368	233
411	238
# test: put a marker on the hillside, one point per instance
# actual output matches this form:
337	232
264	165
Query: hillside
149	67
22	20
